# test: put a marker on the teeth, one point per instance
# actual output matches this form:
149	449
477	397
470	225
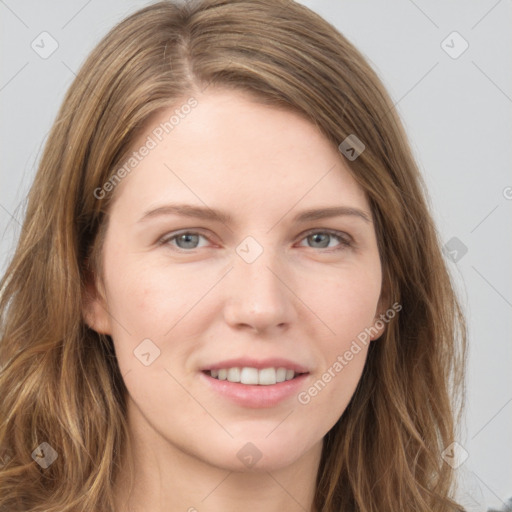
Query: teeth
267	376
280	374
249	376
234	375
253	376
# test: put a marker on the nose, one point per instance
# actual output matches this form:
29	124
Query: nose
259	295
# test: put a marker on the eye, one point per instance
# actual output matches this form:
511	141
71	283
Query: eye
320	239
323	239
184	240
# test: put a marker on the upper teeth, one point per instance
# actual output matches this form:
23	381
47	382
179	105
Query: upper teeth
247	375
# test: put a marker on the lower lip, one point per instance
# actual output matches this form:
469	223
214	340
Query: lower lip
256	396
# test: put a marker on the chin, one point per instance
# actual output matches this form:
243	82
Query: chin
261	454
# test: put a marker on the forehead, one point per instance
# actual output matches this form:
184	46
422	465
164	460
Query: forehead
233	151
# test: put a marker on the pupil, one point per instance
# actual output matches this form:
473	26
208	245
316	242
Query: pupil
317	235
188	238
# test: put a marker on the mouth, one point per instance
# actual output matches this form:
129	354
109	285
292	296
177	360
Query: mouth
256	383
256	388
254	376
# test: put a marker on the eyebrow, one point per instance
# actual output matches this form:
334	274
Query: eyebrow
205	213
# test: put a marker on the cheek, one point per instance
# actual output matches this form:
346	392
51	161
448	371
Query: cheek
329	393
348	307
161	304
149	301
347	303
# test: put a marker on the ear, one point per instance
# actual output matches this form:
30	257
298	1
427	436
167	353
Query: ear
381	318
94	305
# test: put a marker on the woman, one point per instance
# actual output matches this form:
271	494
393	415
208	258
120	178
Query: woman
228	290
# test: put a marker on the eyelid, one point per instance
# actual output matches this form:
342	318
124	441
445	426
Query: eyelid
174	234
345	240
341	234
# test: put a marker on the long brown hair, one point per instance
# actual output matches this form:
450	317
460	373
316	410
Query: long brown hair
59	380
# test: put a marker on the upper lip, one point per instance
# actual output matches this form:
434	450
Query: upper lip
241	362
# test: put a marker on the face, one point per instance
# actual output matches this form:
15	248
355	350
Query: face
268	288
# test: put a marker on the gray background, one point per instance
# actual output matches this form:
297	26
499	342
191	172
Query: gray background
457	112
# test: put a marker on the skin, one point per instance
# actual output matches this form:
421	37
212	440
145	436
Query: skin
301	299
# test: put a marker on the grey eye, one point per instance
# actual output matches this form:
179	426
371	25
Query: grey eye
322	239
187	240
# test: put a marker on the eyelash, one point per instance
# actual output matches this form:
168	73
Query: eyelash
344	239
